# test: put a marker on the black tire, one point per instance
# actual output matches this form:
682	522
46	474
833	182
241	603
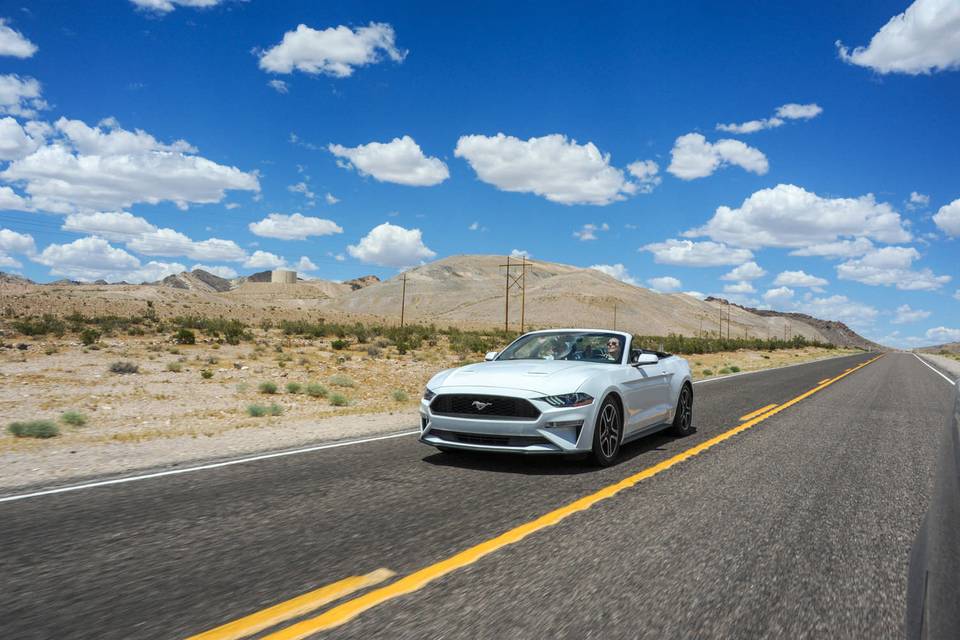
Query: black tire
607	433
683	417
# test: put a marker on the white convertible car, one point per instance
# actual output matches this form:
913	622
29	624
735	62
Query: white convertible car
559	391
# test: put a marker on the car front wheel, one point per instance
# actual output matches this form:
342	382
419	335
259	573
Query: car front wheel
607	433
683	418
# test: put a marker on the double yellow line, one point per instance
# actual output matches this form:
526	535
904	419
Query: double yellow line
350	609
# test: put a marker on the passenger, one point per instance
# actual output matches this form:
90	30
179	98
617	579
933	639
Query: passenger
613	350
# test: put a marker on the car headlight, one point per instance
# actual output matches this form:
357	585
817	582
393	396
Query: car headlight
569	400
428	395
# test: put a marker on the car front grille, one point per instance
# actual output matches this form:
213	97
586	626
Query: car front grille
485	439
479	406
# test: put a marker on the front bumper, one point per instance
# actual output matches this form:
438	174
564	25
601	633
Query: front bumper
556	431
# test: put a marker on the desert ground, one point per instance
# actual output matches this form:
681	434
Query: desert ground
188	402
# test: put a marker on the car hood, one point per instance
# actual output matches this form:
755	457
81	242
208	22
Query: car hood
542	376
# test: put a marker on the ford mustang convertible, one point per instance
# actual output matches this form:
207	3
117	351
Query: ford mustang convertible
562	391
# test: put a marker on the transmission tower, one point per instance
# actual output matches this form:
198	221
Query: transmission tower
519	281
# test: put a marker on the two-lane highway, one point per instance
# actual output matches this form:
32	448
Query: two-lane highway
799	525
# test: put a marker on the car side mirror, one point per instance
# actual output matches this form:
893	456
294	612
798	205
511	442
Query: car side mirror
645	358
491	355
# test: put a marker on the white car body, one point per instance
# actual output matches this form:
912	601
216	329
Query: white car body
647	393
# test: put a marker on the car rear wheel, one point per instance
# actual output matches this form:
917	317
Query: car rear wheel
683	418
607	433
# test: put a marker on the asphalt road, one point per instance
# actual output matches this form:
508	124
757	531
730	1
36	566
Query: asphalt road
798	527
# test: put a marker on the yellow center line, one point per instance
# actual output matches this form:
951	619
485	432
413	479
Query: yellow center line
824	380
754	414
350	609
298	606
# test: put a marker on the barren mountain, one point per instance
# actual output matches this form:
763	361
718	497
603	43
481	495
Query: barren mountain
464	291
950	347
469	291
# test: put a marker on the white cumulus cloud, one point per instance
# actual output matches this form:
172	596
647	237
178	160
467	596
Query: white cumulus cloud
617	271
13	43
279	86
305	264
645	171
838	249
17	141
921	40
264	260
790	216
780	296
93	258
905	315
167	242
589	231
166	6
389	245
791	111
799	279
694	157
520	253
697	254
293	227
108	168
400	161
112	225
739	287
891	266
551	166
747	271
335	51
664	284
15	242
948	218
943	334
21	97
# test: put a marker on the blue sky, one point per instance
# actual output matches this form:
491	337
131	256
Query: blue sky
141	137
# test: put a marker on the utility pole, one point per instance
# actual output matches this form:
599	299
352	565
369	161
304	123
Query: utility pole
700	330
519	281
403	298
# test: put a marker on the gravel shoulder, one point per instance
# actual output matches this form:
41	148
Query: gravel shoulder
949	365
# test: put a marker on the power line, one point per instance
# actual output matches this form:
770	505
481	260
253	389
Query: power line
518	281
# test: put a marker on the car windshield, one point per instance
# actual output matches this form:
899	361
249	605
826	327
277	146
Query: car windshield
567	345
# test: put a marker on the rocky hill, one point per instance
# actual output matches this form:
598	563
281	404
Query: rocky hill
197	280
11	278
950	347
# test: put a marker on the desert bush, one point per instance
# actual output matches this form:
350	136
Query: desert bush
256	410
315	390
89	336
185	336
339	400
267	387
174	367
734	368
294	387
373	351
274	409
50	350
340	380
41	326
206	374
266	324
724	371
707	372
124	366
691	344
73	418
33	429
399	395
339	344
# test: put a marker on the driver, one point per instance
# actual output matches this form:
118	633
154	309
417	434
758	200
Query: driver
613	349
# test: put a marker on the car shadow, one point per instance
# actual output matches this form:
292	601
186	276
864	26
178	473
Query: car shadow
543	465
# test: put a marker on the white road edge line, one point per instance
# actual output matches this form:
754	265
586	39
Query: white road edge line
202	467
936	371
281	454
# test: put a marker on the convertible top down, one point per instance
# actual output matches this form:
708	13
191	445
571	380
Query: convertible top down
560	391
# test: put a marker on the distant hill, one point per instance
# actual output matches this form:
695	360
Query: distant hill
12	278
834	331
950	347
197	280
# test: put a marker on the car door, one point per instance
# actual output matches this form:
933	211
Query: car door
646	389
